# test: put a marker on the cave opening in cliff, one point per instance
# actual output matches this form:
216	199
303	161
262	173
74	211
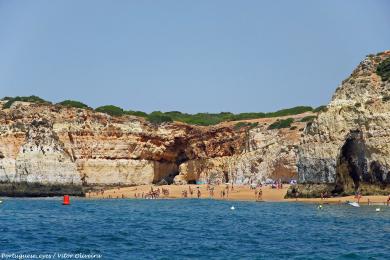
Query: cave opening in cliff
352	163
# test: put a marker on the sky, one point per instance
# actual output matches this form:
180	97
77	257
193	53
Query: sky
186	55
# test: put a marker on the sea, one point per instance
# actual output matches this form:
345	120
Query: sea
190	229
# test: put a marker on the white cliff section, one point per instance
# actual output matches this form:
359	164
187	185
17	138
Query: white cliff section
42	158
120	171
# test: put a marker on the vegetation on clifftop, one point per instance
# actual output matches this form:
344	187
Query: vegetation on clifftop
111	110
383	69
158	117
240	125
308	118
283	123
73	103
32	99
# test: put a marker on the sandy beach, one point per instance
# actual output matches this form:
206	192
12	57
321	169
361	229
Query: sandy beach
239	193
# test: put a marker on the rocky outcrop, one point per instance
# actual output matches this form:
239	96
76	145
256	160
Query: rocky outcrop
266	154
346	149
43	145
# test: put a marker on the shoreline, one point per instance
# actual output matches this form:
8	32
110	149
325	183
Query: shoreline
239	193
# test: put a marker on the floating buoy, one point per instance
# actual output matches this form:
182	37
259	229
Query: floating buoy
319	206
232	208
377	209
66	200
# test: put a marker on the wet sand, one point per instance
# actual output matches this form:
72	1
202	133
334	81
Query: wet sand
239	192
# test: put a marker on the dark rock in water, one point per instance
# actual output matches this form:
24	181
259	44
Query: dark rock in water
23	189
310	190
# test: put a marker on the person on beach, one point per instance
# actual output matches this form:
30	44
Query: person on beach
260	195
211	191
388	200
198	193
227	192
358	196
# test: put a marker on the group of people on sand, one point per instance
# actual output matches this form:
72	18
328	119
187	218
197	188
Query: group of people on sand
184	193
152	194
210	189
225	191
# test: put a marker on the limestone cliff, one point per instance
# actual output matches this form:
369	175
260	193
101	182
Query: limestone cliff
266	154
43	145
346	149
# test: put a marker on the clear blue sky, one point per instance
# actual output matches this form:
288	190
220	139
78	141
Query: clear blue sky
187	55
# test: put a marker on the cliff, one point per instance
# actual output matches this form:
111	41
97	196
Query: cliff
52	149
346	149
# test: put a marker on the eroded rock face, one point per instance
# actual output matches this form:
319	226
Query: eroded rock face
266	154
55	145
347	146
41	159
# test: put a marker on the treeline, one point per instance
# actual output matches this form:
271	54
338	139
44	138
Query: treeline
159	117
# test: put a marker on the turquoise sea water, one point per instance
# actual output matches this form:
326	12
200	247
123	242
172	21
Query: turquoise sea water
201	229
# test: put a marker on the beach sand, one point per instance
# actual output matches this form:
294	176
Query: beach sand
239	193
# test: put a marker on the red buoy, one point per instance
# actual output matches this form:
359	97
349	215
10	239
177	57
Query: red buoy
66	200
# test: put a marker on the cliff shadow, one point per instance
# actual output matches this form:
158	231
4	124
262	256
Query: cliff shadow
352	164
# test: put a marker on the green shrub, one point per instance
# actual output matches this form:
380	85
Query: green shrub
136	113
32	99
383	69
283	123
245	116
240	125
199	118
308	118
319	109
290	111
111	110
158	117
73	103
